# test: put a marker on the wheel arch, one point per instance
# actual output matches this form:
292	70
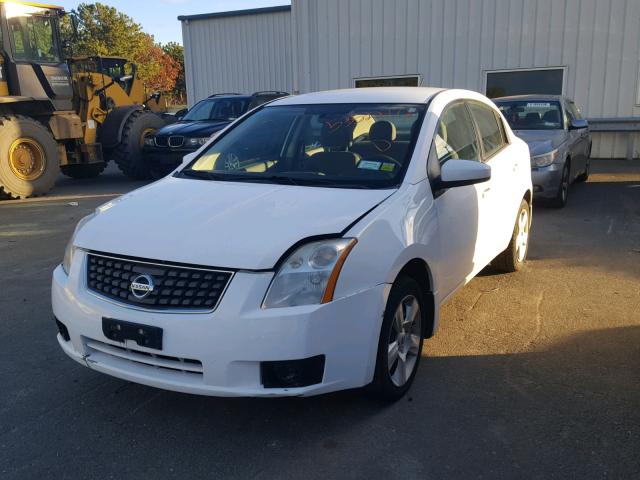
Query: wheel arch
418	270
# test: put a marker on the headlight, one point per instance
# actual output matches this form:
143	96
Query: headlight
309	275
149	141
70	250
544	160
197	142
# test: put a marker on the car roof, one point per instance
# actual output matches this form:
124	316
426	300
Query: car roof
217	97
362	95
555	98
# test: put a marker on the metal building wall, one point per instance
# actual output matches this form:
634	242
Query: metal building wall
452	43
237	53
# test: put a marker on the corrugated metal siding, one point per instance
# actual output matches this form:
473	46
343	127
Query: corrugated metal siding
452	43
324	44
237	54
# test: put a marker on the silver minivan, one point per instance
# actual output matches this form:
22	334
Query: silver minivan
558	138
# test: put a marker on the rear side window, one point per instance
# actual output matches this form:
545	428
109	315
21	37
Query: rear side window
491	133
456	138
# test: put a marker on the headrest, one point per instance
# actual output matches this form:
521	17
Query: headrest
382	130
337	134
552	116
532	117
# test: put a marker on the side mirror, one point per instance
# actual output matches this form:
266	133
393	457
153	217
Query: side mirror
180	113
458	173
578	124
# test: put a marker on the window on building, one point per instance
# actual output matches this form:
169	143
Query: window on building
525	82
456	137
492	136
400	81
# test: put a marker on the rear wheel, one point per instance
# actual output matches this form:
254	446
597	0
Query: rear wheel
128	154
400	342
80	171
513	257
28	158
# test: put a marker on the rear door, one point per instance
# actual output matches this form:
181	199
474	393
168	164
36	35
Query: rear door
501	194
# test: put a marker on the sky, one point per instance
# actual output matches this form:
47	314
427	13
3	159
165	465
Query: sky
160	17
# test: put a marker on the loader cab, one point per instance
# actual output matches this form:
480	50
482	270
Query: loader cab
122	71
33	64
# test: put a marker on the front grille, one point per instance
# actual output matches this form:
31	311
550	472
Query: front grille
161	141
176	141
184	365
174	287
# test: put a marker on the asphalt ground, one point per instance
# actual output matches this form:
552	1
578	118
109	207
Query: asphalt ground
531	375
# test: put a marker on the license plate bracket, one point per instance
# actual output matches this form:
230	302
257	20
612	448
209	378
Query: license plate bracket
144	335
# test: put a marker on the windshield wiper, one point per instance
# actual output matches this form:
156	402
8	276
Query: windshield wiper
238	177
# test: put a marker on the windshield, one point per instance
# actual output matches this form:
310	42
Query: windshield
32	33
338	145
532	114
224	109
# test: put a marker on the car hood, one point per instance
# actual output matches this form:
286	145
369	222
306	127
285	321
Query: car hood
221	224
542	141
192	129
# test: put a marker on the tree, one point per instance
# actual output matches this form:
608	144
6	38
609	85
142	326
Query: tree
176	52
158	70
102	30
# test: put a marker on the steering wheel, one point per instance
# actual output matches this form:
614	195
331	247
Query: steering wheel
228	161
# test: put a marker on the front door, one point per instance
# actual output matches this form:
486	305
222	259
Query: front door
459	209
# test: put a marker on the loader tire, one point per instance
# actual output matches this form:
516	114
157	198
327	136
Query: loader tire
128	154
80	171
29	164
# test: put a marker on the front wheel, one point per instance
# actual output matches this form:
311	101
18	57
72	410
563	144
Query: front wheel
128	154
560	200
400	342
513	257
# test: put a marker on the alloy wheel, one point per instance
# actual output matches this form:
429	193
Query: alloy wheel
522	237
404	340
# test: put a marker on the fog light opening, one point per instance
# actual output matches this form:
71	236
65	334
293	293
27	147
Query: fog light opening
292	373
62	330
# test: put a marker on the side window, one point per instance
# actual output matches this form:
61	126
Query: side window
456	137
490	132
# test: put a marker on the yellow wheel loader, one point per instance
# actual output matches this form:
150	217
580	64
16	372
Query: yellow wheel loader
49	122
118	112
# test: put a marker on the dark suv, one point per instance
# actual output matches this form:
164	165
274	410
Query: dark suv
164	149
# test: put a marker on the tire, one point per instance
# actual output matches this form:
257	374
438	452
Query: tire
560	200
128	154
584	176
29	164
389	382
514	256
80	171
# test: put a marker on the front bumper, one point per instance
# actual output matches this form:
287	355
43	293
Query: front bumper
546	180
229	343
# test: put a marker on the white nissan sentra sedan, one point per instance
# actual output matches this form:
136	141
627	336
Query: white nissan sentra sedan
306	249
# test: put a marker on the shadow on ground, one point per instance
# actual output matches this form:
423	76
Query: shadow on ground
568	412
